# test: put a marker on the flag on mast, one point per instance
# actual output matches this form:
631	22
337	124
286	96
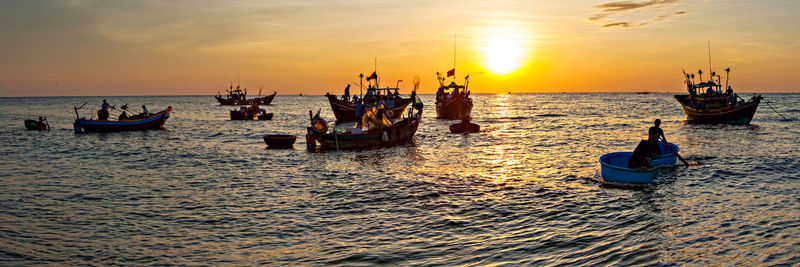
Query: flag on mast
451	72
373	76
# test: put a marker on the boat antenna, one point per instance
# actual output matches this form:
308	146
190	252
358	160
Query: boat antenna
454	57
709	61
361	85
727	75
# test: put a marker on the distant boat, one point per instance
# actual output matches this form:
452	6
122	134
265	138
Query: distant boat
706	103
614	166
37	125
251	114
153	122
239	97
643	93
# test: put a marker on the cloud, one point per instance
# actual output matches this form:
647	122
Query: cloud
625	14
618	24
629	5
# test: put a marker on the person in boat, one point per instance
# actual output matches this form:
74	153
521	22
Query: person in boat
145	113
43	122
102	114
346	96
647	149
123	116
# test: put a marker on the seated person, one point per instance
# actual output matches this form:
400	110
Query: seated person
123	116
145	113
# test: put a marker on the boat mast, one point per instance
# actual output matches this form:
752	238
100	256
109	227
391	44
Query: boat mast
454	57
709	61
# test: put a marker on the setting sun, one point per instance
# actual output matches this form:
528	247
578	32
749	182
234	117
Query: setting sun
503	55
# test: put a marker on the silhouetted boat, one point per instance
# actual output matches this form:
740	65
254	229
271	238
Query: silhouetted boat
252	113
36	125
390	133
614	166
455	104
278	141
345	108
465	127
706	103
153	122
239	97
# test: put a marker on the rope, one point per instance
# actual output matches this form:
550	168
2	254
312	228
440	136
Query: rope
776	112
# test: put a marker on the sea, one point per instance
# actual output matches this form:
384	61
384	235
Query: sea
523	191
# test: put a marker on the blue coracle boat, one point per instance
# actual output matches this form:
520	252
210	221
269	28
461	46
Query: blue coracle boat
614	166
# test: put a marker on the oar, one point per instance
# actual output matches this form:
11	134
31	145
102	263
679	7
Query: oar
678	155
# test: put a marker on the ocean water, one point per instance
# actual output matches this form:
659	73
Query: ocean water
524	191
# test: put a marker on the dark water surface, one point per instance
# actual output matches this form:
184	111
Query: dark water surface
522	192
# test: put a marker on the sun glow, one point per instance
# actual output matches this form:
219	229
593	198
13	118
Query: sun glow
503	55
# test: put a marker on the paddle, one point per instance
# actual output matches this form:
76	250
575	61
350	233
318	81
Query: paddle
676	154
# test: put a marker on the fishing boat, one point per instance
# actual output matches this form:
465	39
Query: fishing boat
465	127
706	103
239	97
279	141
614	166
40	124
252	113
376	130
346	108
452	100
153	122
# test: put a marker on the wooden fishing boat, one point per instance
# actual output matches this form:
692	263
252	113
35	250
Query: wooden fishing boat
614	166
345	138
279	141
465	127
251	114
239	97
36	125
345	110
455	104
452	100
153	122
706	103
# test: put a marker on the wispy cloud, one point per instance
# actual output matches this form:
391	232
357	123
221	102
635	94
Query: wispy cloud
620	6
625	14
618	24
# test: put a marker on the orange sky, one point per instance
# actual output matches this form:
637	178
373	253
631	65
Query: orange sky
84	47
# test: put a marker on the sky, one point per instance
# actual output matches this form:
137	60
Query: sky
198	47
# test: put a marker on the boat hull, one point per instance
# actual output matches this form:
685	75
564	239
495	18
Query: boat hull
346	111
614	166
740	114
155	122
399	133
456	107
264	100
238	116
279	141
465	128
35	125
